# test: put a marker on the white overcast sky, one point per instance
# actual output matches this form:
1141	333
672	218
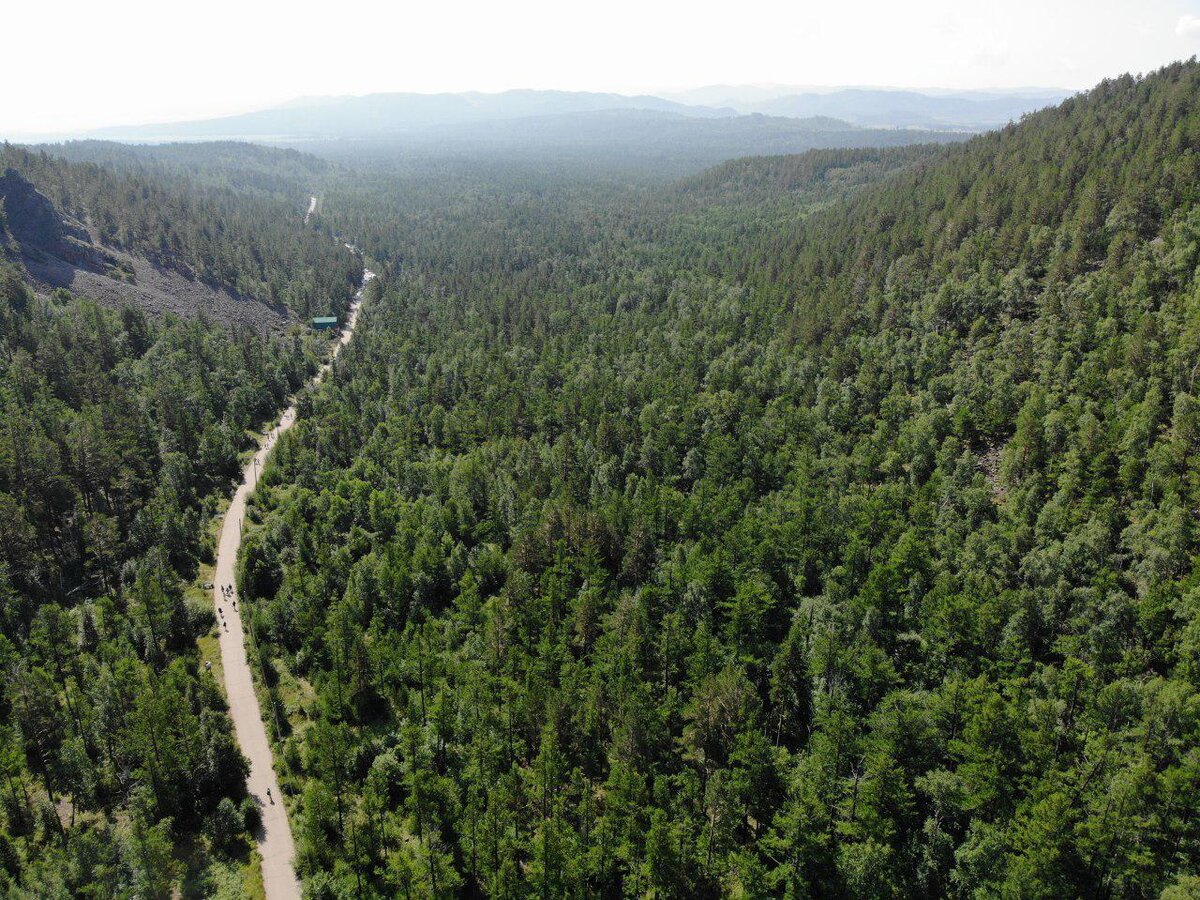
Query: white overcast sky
76	64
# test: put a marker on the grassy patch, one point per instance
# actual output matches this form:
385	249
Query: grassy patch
210	652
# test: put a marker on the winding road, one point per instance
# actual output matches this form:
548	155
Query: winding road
275	840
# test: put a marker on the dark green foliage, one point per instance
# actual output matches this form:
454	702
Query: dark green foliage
648	543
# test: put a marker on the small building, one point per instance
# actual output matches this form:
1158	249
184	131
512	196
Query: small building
324	323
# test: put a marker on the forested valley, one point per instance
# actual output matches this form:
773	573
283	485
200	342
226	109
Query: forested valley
121	435
817	526
808	526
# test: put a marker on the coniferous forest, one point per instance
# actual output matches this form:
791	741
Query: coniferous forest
744	537
809	526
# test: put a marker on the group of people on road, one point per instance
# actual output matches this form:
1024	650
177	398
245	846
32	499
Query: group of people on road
227	593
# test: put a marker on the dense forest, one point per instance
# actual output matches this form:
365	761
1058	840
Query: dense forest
745	537
122	432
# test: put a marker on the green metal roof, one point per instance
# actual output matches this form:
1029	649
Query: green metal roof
325	320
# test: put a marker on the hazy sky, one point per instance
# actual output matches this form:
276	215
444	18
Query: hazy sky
80	63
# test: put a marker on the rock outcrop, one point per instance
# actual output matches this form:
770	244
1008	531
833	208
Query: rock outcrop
38	226
57	251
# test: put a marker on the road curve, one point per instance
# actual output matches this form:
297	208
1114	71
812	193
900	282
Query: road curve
275	840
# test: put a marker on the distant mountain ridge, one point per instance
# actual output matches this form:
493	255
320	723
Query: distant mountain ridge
399	113
908	109
882	107
612	130
408	114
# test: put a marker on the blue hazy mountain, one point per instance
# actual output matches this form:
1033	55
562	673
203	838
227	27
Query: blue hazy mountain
406	114
376	115
614	129
880	107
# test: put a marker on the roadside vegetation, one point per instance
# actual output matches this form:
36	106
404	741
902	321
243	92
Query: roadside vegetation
119	435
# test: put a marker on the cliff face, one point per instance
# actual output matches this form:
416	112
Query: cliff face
56	251
40	228
30	214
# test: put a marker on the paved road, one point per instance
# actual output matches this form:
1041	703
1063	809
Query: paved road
275	842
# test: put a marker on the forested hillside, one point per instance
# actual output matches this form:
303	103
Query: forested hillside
852	554
287	175
226	215
474	216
